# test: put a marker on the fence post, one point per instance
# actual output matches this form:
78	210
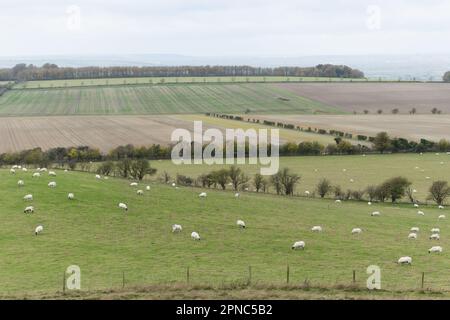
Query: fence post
64	282
354	276
423	279
287	274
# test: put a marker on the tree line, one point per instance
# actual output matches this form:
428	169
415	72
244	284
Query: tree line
24	72
446	77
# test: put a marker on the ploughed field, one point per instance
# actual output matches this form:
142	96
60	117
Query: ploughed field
109	245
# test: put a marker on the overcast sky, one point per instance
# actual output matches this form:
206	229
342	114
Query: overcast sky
224	27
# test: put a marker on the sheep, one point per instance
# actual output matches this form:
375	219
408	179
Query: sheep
435	230
29	209
20	183
36	175
65	170
28	197
174	184
435	249
405	260
70	196
416	205
298	245
240	224
176	228
52	184
15	166
203	195
12	171
420	213
52	173
123	206
97	176
24	169
237	195
356	230
435	236
375	214
133	184
316	229
195	236
369	203
43	170
351	180
412	235
38	230
140	192
147	188
307	193
338	201
441	207
442	216
414	229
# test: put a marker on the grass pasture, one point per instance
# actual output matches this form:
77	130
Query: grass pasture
185	99
94	234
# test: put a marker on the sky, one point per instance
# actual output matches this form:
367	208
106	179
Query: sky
224	27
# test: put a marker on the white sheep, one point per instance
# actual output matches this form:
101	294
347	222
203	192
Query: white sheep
174	184
195	236
441	207
316	229
369	203
15	166
12	171
24	169
70	196
140	192
29	209
416	205
38	230
356	230
36	175
298	245
338	201
43	170
405	260
237	195
147	188
52	173
414	229
97	176
203	195
20	183
307	193
52	184
420	213
442	216
176	228
412	235
435	230
375	214
133	184
240	224
435	249
435	236
28	197
123	206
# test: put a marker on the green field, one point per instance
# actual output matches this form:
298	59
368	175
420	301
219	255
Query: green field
170	80
105	243
171	99
371	169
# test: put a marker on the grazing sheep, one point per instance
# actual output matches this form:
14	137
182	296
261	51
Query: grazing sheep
435	236
147	188
140	192
351	180
237	195
441	207
420	213
241	224
405	260
435	230
12	171
52	173
20	183
43	170
123	206
133	184
70	196
316	229
173	184
435	249
412	236
24	169
356	230
416	205
15	166
176	228
414	229
28	197
375	214
97	176
29	209
52	184
338	201
65	170
307	193
203	195
298	245
36	175
38	230
195	236
344	170
369	203
442	216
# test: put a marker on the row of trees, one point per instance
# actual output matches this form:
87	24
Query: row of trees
446	77
127	168
23	72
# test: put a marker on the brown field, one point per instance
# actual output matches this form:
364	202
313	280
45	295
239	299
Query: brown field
358	97
413	127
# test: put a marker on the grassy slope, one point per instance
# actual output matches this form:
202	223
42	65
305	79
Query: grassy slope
174	99
372	169
92	233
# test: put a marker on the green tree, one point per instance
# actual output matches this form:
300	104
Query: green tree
439	191
382	142
324	187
